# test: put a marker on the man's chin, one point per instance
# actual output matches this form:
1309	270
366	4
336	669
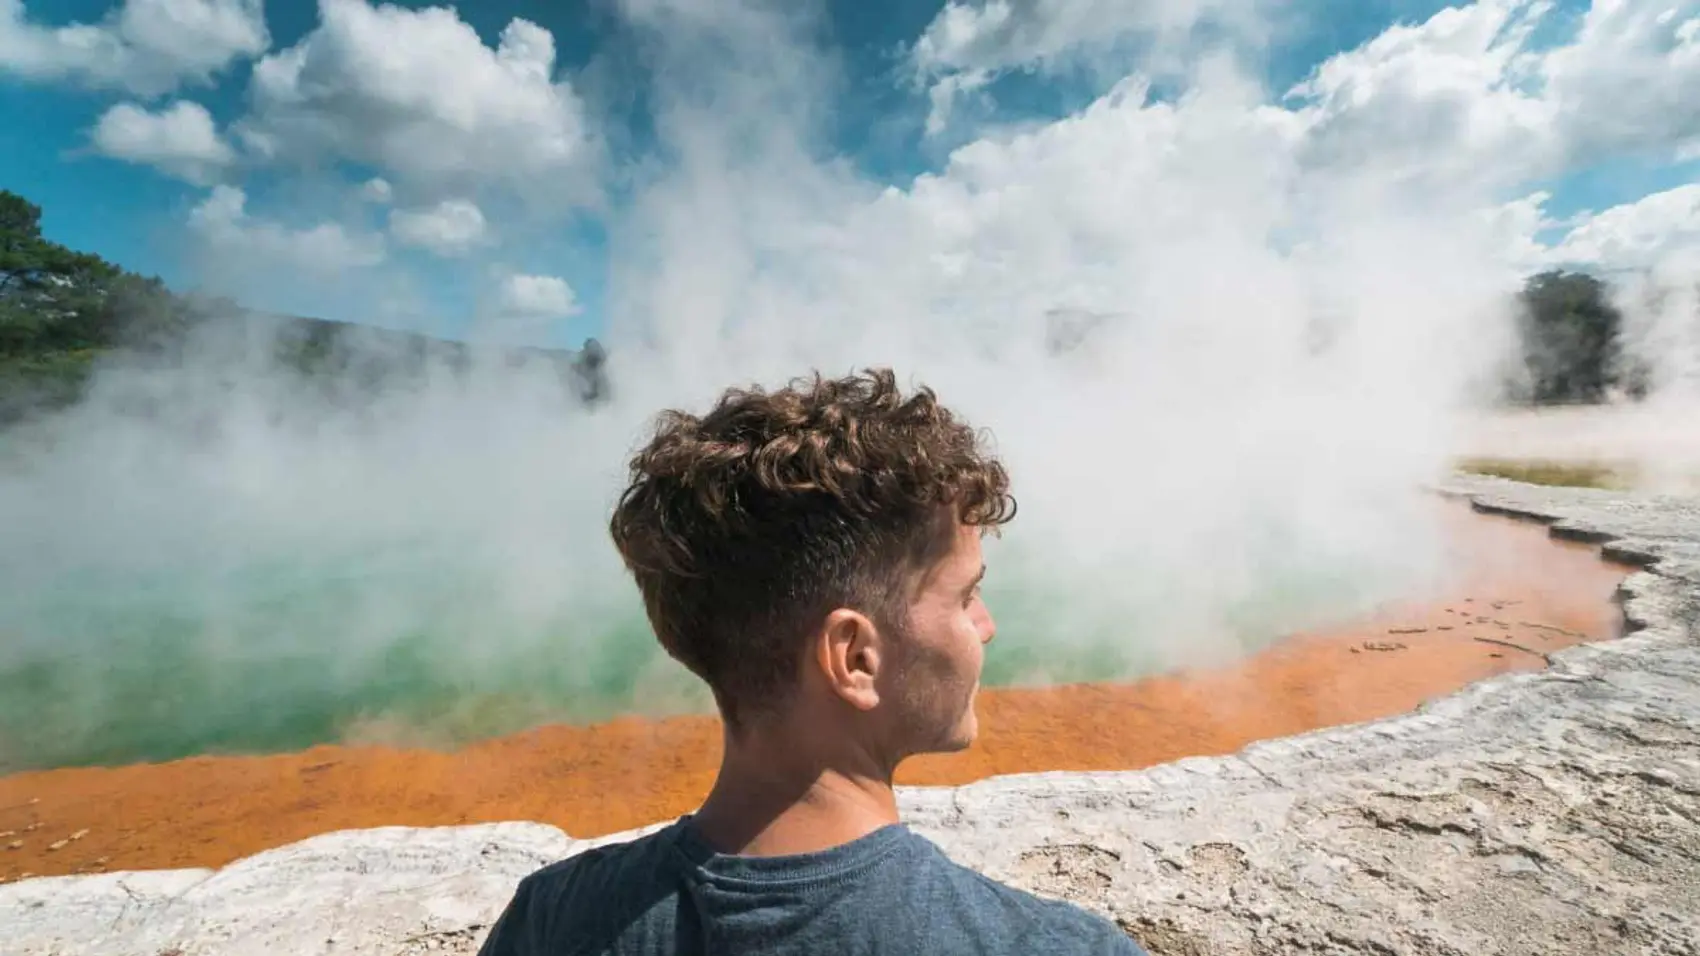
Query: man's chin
954	742
965	735
955	739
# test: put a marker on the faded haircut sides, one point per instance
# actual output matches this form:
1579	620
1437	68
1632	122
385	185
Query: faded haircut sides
746	526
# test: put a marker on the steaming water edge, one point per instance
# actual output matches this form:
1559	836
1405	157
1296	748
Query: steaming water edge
283	651
254	567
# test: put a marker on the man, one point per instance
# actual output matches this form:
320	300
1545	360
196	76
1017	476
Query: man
813	554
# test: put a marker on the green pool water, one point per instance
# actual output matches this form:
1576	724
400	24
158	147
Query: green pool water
418	644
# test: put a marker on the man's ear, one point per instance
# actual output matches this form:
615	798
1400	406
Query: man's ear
849	654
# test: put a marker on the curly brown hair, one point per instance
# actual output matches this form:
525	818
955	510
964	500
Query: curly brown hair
745	527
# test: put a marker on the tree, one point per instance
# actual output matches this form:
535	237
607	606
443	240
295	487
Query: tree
62	310
1569	331
50	297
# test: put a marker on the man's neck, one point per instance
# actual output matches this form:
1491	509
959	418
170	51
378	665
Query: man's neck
775	797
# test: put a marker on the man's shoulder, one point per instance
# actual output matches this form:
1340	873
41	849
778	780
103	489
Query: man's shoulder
606	864
593	896
1020	920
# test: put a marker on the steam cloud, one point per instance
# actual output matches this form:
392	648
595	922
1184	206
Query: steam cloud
1275	353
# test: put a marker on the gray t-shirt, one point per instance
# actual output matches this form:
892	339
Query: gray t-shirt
892	891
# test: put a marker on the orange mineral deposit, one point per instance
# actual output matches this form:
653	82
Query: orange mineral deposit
1524	596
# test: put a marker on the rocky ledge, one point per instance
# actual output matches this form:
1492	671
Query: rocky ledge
1531	814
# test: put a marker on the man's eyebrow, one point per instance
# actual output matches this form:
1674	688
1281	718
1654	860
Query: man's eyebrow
977	579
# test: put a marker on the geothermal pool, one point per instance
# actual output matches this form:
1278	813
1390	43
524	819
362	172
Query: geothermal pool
1516	595
282	640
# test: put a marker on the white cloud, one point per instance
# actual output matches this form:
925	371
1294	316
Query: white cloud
1631	78
1439	100
970	41
377	189
1516	226
1467	93
452	227
417	94
945	92
1638	235
223	223
148	47
1000	34
179	140
1656	235
536	297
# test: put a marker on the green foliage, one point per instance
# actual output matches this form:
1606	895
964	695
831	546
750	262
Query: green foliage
62	311
1570	333
1614	475
50	296
1564	474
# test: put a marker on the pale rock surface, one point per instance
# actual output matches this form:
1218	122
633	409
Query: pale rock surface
1556	812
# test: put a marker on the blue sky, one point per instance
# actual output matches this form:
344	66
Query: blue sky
870	113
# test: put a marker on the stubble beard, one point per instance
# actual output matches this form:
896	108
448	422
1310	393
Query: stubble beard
938	709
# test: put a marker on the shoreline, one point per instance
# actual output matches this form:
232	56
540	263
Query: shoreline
1519	815
626	773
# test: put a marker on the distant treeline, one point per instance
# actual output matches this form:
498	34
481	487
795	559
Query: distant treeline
62	312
